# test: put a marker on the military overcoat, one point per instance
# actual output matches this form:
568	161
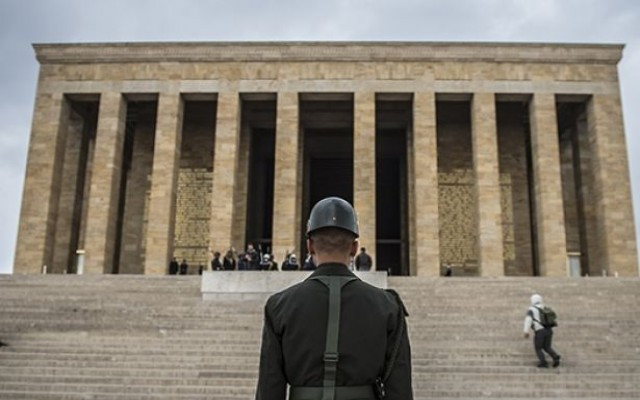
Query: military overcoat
294	334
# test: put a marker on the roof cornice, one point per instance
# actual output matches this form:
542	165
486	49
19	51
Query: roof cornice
149	52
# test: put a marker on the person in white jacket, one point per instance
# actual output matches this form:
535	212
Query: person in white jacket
542	335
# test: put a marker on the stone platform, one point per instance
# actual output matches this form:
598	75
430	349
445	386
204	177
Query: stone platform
260	284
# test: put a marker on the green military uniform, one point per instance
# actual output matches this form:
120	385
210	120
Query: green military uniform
293	339
333	336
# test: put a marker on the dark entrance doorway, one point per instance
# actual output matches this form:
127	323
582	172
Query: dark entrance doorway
260	190
327	135
331	177
258	132
393	119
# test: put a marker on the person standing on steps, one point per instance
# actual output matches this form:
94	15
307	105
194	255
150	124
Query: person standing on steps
363	260
173	266
229	260
291	264
216	264
184	267
265	264
333	336
252	258
541	320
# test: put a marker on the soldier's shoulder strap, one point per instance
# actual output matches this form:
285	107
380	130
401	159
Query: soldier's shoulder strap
402	326
331	356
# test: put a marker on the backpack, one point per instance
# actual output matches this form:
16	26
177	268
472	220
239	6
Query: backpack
548	317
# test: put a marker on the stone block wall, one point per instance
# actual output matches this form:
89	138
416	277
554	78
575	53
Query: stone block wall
62	253
457	199
87	183
570	201
193	205
578	186
132	247
458	219
74	187
586	196
514	183
456	189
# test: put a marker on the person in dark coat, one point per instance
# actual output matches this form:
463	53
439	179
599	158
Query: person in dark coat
173	266
243	262
308	264
447	270
252	258
229	261
372	344
216	264
285	261
184	267
363	260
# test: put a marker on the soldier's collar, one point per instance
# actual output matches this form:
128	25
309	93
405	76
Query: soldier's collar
332	269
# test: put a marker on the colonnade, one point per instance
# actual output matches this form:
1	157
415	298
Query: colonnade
46	153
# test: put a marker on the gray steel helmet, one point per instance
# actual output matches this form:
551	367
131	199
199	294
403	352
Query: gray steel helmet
333	212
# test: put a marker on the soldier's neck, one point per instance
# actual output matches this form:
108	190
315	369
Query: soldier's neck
319	259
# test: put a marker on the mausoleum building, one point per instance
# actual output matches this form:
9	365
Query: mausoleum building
492	158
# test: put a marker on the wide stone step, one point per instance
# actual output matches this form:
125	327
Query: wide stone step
167	389
137	337
48	395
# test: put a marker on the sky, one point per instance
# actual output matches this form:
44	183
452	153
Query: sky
23	22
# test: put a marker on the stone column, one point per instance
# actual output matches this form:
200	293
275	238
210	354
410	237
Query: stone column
164	184
487	173
105	184
547	181
286	206
34	247
425	185
364	169
72	167
616	252
241	191
411	206
225	162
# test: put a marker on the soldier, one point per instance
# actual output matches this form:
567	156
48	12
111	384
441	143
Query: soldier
333	336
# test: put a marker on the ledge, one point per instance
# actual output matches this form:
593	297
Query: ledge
260	284
78	53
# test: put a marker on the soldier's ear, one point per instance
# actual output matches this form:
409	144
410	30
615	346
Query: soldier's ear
310	247
354	248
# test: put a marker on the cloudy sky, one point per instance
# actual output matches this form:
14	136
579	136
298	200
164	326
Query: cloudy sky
23	22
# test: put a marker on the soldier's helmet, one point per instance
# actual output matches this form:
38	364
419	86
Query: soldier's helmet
333	212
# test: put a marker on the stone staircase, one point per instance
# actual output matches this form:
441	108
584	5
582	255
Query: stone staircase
141	337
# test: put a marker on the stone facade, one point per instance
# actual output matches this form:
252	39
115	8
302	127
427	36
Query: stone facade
494	183
514	185
140	163
193	203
